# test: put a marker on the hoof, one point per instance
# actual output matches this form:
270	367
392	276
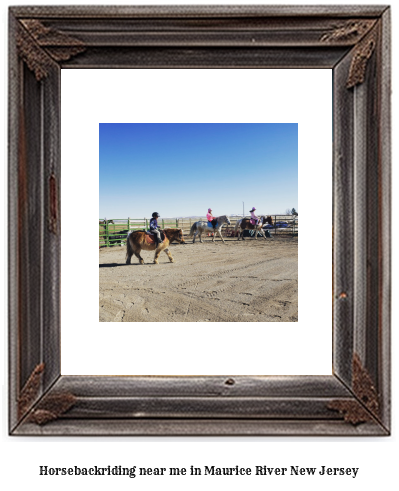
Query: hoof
172	260
141	262
155	262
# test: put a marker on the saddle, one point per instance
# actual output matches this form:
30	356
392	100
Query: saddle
150	238
211	226
253	222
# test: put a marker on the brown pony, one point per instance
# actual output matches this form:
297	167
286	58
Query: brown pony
136	241
245	224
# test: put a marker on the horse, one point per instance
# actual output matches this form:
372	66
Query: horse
202	226
245	224
138	240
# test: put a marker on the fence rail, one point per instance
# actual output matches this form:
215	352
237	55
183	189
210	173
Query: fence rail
114	231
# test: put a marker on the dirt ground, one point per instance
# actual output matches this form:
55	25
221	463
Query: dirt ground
239	281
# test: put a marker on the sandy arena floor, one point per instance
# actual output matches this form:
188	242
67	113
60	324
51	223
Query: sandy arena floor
250	281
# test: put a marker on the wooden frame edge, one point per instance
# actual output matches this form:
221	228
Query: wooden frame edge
354	401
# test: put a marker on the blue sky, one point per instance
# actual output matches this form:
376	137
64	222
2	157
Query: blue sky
183	169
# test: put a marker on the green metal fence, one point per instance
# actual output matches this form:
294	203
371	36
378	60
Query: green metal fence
114	232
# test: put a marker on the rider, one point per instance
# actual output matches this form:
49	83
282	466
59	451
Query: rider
254	217
211	218
154	227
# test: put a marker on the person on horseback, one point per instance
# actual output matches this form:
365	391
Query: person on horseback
154	227
253	216
211	218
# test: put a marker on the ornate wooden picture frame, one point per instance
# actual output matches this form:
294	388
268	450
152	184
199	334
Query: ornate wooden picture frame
354	42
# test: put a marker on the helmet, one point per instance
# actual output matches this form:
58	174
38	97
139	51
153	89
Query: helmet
155	215
253	209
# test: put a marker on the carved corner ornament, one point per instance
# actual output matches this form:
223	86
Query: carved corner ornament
30	391
367	405
351	31
363	34
49	408
362	54
39	46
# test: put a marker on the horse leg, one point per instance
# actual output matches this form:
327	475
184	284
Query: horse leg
129	258
195	235
220	234
129	251
157	253
214	230
169	255
200	236
137	254
262	233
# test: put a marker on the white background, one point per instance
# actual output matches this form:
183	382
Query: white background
221	96
376	457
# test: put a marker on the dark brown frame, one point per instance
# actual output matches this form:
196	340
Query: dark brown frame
353	41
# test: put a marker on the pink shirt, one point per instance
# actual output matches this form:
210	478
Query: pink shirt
253	214
209	217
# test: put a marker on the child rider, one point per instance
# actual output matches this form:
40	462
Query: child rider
154	227
211	218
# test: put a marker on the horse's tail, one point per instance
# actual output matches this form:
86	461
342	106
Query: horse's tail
193	227
129	248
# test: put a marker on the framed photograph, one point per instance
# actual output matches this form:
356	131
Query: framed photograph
352	44
166	175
